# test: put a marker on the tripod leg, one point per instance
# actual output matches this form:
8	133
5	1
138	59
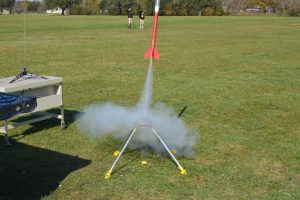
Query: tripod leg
182	170
117	152
108	174
62	121
6	137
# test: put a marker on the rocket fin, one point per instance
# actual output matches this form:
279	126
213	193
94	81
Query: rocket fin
152	53
148	53
156	55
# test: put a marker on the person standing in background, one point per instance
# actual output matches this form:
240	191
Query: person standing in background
142	20
130	16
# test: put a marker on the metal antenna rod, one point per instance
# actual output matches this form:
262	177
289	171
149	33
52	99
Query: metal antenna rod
24	34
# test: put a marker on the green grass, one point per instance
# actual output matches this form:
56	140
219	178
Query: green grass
238	76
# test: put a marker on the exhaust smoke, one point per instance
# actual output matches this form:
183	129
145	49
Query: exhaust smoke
104	119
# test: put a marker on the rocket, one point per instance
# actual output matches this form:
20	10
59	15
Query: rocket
152	53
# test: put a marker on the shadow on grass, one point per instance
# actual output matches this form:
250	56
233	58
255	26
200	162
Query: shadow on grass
70	117
122	167
28	172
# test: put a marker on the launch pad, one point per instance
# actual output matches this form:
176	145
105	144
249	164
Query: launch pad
144	124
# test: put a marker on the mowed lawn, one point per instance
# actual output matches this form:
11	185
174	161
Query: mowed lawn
238	76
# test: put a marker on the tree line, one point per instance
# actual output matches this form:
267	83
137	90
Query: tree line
167	7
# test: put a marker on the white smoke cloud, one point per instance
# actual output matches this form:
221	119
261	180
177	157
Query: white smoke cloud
110	119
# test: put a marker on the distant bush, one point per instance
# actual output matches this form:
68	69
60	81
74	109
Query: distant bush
218	11
207	12
294	12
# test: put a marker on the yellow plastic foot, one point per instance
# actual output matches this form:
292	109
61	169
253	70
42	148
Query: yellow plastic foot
108	174
116	153
144	162
182	171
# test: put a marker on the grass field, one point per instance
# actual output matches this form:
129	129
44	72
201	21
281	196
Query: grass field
238	76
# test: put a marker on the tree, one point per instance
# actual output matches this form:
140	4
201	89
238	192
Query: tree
234	6
1	7
118	8
206	6
63	4
149	6
289	7
89	7
34	6
142	4
9	4
109	7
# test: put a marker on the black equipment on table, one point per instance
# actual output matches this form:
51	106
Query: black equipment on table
12	105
